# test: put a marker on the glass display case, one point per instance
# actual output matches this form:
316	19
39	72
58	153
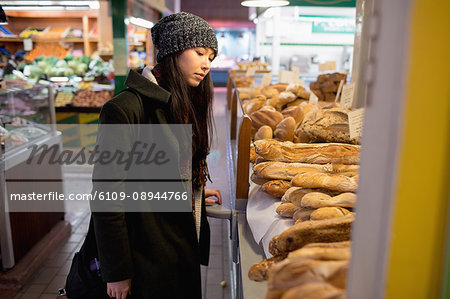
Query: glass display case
27	118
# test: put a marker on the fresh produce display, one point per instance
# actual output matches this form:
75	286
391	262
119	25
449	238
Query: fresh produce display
47	50
31	32
62	99
89	98
67	67
54	33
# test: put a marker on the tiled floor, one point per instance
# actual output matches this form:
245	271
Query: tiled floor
215	277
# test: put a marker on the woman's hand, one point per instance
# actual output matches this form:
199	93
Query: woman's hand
213	192
119	289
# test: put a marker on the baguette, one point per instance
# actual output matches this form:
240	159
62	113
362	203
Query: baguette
324	254
314	290
328	213
291	273
334	182
287	209
269	91
258	272
297	236
302	214
258	180
276	188
320	200
285	171
295	194
342	244
321	153
253	154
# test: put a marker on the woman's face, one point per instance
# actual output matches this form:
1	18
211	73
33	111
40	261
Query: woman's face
195	64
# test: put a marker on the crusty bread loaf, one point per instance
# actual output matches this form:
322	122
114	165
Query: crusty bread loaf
302	214
339	278
275	103
256	91
269	91
328	213
276	188
287	209
296	194
300	136
265	116
274	170
253	153
322	253
342	244
290	273
264	132
297	236
307	153
254	104
295	111
286	171
297	102
321	200
285	129
314	290
279	86
258	272
286	97
334	182
298	90
243	81
328	125
257	179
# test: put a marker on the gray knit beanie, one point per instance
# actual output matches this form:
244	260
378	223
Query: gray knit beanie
181	31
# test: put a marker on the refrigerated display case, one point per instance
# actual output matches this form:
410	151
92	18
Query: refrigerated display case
27	118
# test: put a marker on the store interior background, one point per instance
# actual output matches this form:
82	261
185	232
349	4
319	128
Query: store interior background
305	37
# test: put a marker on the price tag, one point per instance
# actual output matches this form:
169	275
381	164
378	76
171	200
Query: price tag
355	122
285	77
27	44
301	82
313	99
338	93
323	67
331	65
347	96
296	75
251	71
266	79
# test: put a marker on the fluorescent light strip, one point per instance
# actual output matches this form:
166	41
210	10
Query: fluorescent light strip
141	22
91	4
264	3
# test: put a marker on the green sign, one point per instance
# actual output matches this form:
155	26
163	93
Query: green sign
332	27
328	3
330	24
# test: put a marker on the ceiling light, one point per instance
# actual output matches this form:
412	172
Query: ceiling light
141	22
264	3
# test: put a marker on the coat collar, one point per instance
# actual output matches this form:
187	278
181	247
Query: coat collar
146	87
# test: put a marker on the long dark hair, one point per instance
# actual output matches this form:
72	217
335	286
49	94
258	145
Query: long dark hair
191	105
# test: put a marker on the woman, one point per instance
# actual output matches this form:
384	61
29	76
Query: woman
158	255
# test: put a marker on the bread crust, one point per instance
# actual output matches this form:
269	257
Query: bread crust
320	153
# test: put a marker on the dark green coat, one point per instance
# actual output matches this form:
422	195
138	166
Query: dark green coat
159	251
